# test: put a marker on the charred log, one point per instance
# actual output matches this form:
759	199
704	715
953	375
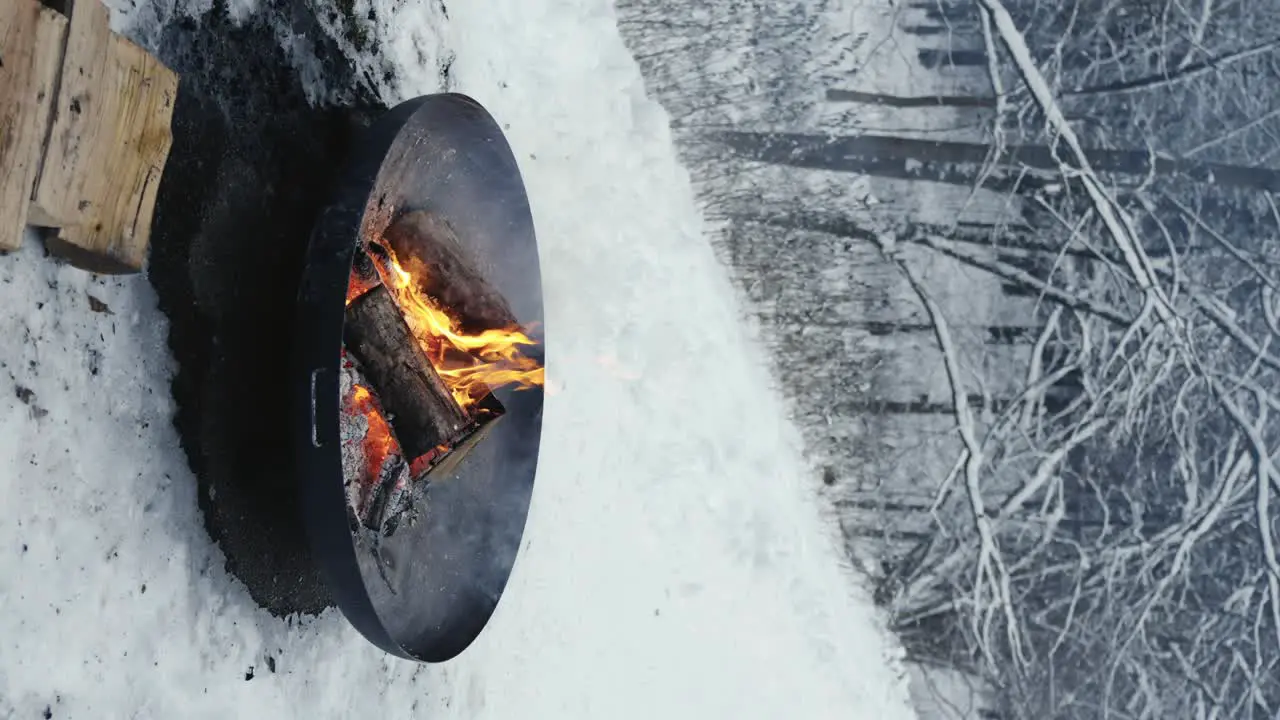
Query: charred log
428	249
419	407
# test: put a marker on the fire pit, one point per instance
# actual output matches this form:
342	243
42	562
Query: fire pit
420	369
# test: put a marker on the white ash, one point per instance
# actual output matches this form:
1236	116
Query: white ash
364	494
352	428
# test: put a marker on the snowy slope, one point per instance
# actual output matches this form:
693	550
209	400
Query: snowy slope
675	562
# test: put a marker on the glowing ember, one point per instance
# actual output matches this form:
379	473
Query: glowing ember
379	443
420	465
471	365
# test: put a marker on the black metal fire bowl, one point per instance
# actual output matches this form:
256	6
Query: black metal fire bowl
444	154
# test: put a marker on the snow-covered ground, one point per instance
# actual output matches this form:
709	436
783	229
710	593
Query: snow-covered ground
676	562
817	295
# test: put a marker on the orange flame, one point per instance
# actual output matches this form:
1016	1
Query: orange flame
470	365
379	443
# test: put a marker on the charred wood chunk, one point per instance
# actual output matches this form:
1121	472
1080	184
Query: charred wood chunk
382	498
419	407
428	249
364	275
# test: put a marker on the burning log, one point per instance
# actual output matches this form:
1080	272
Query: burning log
420	408
432	254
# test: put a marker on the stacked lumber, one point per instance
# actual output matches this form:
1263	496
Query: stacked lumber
84	134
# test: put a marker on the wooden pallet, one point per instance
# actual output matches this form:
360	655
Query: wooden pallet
84	134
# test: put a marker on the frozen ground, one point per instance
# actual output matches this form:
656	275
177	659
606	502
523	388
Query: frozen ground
676	561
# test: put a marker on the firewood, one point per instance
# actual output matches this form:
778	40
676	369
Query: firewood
31	42
429	250
419	407
107	146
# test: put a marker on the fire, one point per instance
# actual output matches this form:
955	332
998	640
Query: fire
379	443
470	365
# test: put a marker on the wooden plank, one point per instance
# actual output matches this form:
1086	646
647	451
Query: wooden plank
31	43
106	147
122	175
79	126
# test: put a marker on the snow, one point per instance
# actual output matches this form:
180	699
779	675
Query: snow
676	561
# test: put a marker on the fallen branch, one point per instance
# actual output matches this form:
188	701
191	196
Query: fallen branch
991	566
1113	218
